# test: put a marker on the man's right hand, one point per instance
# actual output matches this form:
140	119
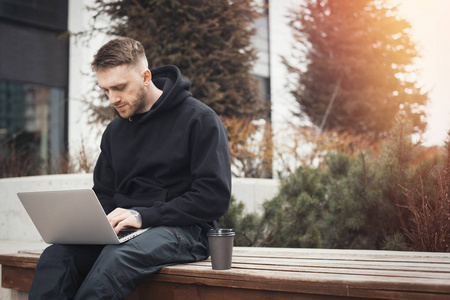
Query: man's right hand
121	217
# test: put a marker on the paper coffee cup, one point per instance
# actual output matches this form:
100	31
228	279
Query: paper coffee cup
221	247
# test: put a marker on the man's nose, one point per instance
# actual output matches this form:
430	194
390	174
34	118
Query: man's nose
114	98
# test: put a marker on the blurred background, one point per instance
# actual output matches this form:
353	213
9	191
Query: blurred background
50	110
346	101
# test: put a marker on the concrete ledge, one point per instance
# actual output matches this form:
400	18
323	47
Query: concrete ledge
254	191
16	225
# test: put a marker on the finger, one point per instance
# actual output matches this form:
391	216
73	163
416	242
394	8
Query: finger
114	220
125	222
116	212
119	227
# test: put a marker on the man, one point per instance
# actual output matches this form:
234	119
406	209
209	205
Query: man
164	164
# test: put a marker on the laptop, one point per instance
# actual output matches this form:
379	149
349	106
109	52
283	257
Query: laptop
72	217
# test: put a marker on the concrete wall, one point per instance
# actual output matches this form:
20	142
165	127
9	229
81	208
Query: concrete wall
15	223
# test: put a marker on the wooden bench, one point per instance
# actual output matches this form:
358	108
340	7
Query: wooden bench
280	273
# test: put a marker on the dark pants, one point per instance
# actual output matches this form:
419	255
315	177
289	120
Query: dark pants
114	271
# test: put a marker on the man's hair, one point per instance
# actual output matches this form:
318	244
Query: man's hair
119	51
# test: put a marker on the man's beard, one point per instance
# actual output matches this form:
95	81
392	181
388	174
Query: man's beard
137	106
140	102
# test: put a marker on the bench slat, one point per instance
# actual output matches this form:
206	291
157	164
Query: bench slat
339	264
412	273
293	280
25	260
341	254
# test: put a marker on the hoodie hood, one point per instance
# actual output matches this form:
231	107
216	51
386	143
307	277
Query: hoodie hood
175	89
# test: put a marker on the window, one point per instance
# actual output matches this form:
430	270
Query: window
32	129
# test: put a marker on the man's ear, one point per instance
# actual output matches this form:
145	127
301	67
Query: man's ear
147	75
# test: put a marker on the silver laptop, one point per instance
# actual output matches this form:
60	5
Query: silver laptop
72	217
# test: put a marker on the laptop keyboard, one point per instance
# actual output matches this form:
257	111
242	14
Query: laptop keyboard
125	232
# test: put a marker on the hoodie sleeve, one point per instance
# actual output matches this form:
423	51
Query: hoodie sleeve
104	177
210	193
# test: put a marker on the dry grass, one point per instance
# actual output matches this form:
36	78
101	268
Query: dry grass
429	228
251	147
20	163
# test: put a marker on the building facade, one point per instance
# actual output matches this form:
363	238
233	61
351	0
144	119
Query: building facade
33	85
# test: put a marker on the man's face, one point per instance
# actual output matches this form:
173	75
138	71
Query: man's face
124	86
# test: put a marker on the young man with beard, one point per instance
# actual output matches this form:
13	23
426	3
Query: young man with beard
164	165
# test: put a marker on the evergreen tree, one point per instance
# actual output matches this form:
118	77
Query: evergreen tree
358	66
295	217
208	40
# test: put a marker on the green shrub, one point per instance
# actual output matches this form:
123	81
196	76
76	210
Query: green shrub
363	201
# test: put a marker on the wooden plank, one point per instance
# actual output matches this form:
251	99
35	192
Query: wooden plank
314	254
339	271
252	259
297	281
17	278
417	276
339	254
19	256
176	291
382	265
409	270
261	251
311	288
19	260
335	254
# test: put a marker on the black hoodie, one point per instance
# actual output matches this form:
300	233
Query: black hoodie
171	164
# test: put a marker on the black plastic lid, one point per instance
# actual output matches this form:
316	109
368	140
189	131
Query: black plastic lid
221	232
